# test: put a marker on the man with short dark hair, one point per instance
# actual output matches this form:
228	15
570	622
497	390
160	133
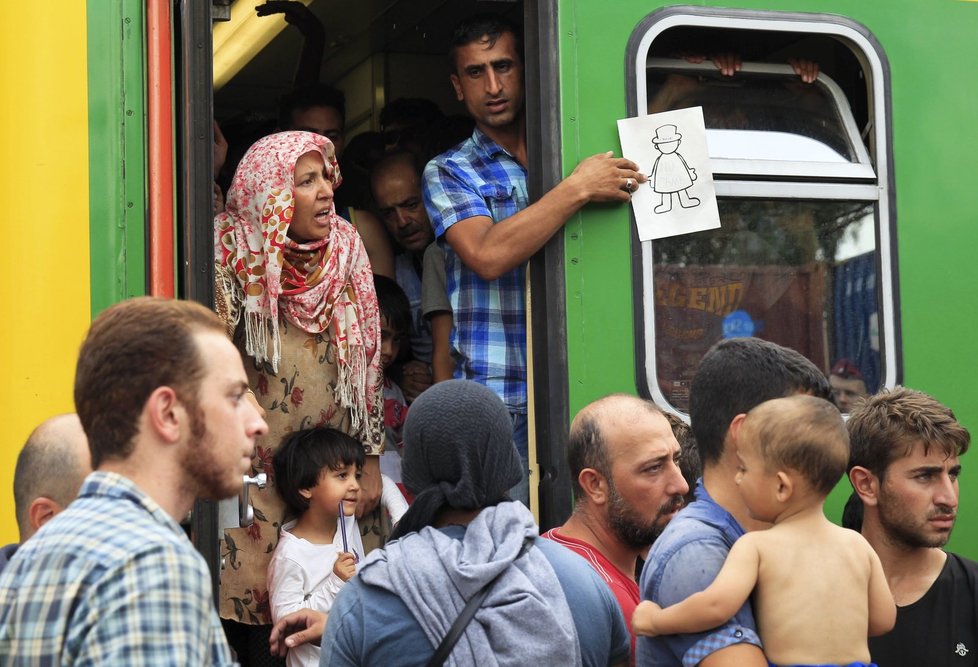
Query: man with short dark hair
113	580
624	461
315	108
904	466
50	469
396	185
734	376
477	200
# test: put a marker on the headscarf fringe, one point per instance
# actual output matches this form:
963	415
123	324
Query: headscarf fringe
350	376
256	339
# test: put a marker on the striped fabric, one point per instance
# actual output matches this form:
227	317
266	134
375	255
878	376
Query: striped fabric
478	178
112	580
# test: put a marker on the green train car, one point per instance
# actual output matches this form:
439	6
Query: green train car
847	205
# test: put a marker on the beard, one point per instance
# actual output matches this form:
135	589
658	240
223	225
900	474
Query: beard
904	528
209	478
635	529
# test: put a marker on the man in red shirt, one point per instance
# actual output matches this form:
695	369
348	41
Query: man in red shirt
624	462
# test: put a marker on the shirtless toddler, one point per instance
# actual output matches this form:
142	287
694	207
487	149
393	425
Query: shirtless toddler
818	590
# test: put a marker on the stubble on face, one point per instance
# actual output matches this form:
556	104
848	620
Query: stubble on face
904	528
632	527
203	466
491	109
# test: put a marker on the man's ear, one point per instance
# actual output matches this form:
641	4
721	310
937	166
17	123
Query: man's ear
165	414
457	85
786	487
42	510
865	484
735	425
594	484
305	493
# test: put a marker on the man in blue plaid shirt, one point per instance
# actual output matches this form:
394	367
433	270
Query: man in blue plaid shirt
477	200
113	580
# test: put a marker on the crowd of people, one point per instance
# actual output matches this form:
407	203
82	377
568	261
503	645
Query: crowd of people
385	397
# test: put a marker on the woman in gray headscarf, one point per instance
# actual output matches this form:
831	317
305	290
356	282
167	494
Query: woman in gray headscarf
544	604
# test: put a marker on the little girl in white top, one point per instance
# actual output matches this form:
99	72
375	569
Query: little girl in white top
317	473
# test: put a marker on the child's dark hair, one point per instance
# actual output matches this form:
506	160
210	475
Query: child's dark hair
393	303
304	455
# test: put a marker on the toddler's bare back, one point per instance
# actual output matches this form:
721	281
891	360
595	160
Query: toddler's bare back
811	601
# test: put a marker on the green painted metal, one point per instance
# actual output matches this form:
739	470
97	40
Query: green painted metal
117	150
932	56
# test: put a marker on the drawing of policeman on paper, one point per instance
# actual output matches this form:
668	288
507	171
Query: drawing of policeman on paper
670	147
671	175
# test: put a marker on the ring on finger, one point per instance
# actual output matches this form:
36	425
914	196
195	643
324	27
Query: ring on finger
628	185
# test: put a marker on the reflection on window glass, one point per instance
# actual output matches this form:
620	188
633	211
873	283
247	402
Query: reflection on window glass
799	273
757	102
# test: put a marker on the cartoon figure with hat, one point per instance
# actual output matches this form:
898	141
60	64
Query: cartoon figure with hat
671	174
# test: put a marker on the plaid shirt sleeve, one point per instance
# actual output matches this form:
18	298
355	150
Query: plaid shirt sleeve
450	197
156	610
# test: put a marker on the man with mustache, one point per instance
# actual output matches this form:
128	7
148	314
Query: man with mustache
478	201
734	376
395	182
624	461
904	467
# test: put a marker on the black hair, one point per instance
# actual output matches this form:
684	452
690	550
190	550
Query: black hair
739	374
689	455
852	513
305	97
304	455
393	303
474	28
410	111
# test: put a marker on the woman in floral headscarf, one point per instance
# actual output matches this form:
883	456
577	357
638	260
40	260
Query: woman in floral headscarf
295	287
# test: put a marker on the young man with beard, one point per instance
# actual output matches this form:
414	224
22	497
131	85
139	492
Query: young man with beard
478	202
904	467
624	461
113	580
733	377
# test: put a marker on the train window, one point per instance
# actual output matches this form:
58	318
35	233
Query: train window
766	122
805	253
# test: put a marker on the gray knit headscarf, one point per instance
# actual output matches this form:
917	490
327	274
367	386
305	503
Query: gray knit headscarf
458	452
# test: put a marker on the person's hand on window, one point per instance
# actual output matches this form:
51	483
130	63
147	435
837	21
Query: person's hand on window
728	63
807	70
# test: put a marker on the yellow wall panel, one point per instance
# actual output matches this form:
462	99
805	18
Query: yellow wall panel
45	293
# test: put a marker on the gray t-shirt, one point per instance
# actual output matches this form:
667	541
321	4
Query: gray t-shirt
434	291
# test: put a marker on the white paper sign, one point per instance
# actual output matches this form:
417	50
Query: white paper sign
670	148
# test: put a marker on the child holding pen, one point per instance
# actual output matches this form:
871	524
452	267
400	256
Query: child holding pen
316	473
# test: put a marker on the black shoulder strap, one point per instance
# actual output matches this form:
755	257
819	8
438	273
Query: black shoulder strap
465	617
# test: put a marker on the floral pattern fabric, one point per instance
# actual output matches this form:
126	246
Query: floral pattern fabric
314	303
323	286
300	395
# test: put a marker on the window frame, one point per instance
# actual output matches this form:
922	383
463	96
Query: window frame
745	184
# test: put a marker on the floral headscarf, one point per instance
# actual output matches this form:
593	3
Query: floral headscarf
323	286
